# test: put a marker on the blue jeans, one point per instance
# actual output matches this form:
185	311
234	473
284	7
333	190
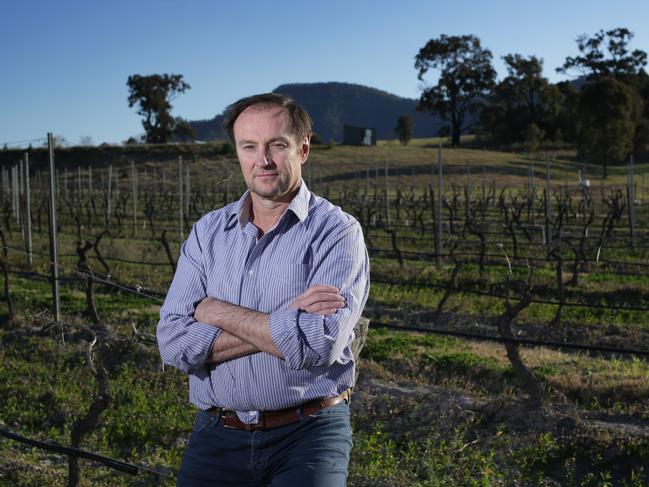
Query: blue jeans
310	453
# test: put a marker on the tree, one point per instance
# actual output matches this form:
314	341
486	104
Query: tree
404	129
530	91
153	95
609	111
523	103
606	54
532	138
565	123
465	77
642	128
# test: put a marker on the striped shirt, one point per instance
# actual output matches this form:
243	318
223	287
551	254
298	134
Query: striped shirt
314	242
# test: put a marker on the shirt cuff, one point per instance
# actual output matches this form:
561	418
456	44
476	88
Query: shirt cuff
201	337
290	339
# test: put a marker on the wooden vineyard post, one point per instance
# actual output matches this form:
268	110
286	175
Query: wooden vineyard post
90	193
21	194
631	199
433	210
387	197
14	193
134	191
467	203
108	195
484	184
532	204
584	194
20	217
79	183
187	189
440	202
367	183
54	262
180	198
117	188
28	213
548	203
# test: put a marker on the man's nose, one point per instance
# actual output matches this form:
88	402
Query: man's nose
264	159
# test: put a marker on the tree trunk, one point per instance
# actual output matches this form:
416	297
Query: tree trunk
91	419
455	134
531	384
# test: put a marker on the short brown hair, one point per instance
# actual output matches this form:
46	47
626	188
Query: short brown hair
298	117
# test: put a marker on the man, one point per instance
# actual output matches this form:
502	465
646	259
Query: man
261	312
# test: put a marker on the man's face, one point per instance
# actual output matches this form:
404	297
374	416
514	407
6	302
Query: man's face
270	157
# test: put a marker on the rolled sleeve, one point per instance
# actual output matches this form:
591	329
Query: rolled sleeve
311	340
183	342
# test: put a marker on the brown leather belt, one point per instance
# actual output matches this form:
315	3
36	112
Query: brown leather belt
275	419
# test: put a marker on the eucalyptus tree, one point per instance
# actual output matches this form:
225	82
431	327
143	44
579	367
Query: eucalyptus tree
465	77
153	95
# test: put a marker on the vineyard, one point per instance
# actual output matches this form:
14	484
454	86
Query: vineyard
509	316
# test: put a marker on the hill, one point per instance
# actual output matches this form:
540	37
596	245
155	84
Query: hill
331	105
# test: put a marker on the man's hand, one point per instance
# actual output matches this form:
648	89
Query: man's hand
320	299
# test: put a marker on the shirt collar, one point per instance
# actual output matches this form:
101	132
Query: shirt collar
299	205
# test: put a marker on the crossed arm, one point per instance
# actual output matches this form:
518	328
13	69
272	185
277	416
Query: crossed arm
313	330
246	331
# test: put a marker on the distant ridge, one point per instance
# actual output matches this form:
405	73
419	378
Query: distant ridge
333	104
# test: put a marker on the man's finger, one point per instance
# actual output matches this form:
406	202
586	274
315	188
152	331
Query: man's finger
328	299
324	296
315	294
320	306
321	288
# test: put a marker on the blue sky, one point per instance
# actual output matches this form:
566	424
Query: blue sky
65	63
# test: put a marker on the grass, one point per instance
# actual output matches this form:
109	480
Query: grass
147	414
426	462
381	457
483	366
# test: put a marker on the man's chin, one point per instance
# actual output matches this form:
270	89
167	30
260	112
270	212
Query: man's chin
273	192
268	193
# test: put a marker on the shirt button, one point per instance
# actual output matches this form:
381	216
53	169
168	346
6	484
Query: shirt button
251	272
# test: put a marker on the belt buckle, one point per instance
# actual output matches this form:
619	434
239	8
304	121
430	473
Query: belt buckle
224	416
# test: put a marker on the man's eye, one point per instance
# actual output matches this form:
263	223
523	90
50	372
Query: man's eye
248	147
279	145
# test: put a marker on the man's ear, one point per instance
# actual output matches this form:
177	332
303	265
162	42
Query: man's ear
305	148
